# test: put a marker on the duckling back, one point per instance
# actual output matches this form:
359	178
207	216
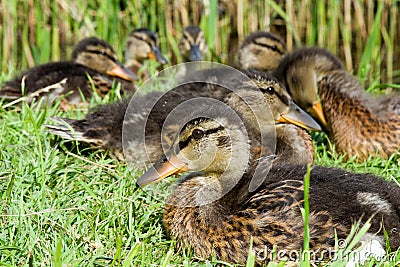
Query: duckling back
358	125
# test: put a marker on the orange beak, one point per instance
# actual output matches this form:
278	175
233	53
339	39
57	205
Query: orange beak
163	168
156	55
318	112
299	117
122	72
151	56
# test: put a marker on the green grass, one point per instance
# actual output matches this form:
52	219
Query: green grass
62	204
79	208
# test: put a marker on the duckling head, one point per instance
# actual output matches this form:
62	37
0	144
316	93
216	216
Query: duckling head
301	71
193	44
141	45
273	97
98	55
215	150
262	51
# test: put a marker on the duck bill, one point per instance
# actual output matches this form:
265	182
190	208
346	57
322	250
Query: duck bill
195	54
163	168
122	72
156	55
299	117
318	112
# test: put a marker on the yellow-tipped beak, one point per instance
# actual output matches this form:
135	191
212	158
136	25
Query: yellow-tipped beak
162	169
122	72
299	117
318	112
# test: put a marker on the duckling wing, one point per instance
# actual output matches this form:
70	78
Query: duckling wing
65	129
11	90
79	130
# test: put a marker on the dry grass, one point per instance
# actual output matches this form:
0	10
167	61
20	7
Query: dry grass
35	32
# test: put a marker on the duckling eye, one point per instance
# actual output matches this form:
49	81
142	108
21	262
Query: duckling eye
270	90
103	52
197	134
164	159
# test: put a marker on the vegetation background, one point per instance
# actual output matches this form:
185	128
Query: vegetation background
365	34
81	208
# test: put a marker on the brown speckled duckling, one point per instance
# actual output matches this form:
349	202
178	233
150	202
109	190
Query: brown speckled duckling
142	44
91	57
262	51
103	126
213	210
356	123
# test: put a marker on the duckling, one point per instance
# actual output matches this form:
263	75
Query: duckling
93	66
142	44
103	127
262	51
192	48
193	44
213	209
356	123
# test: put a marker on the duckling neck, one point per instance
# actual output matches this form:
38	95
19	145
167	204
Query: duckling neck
341	95
133	65
203	190
212	196
294	145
